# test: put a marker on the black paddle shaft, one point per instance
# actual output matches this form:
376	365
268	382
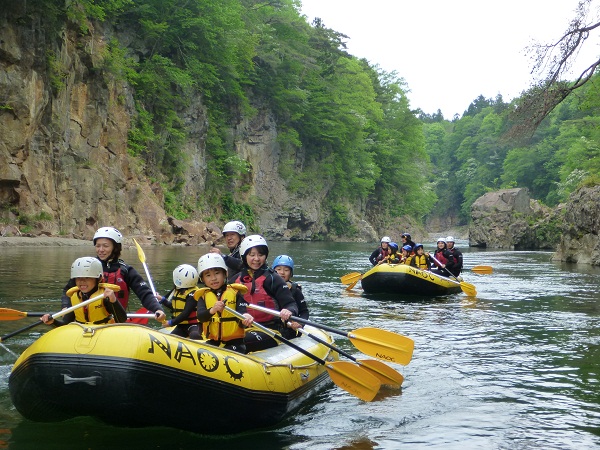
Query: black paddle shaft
20	330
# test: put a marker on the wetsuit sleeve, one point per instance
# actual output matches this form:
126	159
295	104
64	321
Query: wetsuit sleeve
235	264
373	257
190	306
202	312
65	301
137	284
451	261
279	290
301	302
116	310
241	304
67	318
167	302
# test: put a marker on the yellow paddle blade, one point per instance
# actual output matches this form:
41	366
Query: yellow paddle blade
468	289
353	379
141	254
11	314
351	285
382	344
384	373
351	278
482	269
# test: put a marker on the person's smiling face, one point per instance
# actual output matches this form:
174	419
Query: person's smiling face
104	248
213	278
255	259
85	284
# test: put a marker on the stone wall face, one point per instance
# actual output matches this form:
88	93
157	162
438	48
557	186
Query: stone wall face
63	142
510	219
579	240
63	148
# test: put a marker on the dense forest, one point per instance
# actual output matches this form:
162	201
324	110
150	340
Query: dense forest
345	126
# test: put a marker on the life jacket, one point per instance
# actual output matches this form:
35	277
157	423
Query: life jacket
93	313
420	262
256	295
178	304
383	253
392	258
223	326
118	277
439	255
408	260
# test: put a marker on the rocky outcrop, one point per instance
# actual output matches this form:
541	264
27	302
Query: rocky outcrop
63	141
579	239
64	164
509	218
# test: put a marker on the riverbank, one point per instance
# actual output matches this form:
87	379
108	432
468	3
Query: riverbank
27	241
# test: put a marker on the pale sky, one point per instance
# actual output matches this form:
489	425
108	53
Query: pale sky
450	52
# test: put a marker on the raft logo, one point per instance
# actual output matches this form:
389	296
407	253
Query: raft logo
422	273
386	357
208	360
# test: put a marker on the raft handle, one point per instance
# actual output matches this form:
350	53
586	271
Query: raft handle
92	381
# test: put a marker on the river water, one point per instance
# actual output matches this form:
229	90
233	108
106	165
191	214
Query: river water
516	367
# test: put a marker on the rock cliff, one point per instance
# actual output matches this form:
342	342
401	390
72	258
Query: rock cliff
510	219
579	239
64	163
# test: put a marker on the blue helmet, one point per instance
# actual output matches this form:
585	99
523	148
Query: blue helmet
284	260
408	248
394	246
417	246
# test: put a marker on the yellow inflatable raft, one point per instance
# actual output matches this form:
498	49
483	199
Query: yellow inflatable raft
407	280
134	376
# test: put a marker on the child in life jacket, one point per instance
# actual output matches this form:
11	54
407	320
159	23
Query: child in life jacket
393	257
265	288
219	326
181	300
420	259
87	274
406	255
284	266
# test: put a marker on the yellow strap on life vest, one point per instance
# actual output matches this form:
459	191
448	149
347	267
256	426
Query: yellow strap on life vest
71	291
241	288
200	293
113	287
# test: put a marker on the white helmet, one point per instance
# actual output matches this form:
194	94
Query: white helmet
211	261
235	226
254	240
449	239
185	276
110	233
86	267
386	239
441	239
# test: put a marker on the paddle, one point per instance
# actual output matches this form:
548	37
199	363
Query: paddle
140	317
348	376
7	314
482	269
467	288
382	344
381	371
58	314
142	258
351	279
